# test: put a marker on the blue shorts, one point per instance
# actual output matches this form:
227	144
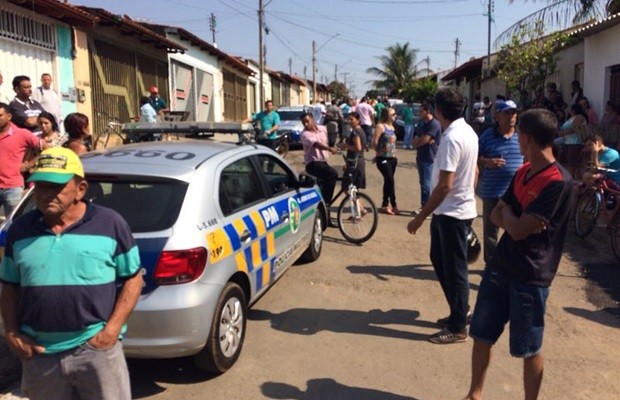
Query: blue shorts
502	299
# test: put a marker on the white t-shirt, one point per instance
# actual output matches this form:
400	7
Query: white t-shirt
49	100
458	153
365	111
318	113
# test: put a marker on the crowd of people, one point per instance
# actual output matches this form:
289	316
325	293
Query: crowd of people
506	156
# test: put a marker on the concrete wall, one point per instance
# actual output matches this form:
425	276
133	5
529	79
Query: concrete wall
567	59
602	51
81	73
66	75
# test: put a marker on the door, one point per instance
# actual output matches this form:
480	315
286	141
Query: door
183	95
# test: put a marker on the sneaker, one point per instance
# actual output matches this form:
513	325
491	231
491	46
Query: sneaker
444	321
444	336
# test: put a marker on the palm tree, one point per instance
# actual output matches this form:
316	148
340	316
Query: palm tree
398	68
562	14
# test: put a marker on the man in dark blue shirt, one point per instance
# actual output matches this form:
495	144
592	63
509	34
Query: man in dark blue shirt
425	141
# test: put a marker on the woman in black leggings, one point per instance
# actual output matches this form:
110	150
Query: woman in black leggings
384	142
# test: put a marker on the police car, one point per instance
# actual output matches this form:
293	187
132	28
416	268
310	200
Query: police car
216	224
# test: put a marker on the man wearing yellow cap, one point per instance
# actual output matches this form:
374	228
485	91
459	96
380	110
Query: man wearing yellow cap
60	304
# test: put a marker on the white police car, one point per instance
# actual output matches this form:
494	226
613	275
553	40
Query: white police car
216	224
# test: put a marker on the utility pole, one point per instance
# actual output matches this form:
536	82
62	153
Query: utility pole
456	52
344	77
261	16
212	25
290	66
305	73
490	19
313	72
336	73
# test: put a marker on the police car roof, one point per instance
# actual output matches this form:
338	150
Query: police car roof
159	159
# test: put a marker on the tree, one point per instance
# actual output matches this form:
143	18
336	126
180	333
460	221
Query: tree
398	69
562	14
421	90
338	90
529	58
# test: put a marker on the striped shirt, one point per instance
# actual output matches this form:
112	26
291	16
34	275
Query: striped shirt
69	280
494	182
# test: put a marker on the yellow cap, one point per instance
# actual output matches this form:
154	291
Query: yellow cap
57	165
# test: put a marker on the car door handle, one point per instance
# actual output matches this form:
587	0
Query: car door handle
245	236
284	217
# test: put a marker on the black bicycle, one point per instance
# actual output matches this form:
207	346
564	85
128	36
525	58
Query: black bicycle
357	216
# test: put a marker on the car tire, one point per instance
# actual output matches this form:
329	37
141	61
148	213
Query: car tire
313	251
227	332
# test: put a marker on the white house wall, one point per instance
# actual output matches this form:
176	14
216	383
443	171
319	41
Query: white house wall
567	59
602	50
206	62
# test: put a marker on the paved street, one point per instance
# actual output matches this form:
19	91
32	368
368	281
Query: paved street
353	325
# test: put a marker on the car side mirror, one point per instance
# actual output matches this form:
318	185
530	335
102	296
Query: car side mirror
306	181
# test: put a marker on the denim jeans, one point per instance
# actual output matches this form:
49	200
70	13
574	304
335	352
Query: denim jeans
81	373
425	169
449	259
368	131
408	136
9	198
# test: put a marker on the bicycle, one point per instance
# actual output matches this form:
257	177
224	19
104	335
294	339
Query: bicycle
113	129
357	215
594	201
279	144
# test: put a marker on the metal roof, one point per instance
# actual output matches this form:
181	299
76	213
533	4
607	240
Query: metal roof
58	10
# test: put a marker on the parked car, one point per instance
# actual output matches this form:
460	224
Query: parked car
400	124
216	224
290	122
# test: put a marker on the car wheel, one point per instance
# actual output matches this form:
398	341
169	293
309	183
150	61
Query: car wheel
227	332
314	248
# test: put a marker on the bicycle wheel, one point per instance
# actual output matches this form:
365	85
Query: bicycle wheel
99	141
588	208
614	231
357	218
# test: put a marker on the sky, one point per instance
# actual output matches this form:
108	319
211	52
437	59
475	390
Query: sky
349	34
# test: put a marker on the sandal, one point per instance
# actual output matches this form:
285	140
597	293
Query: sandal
386	210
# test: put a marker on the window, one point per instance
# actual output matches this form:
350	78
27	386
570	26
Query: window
240	186
279	178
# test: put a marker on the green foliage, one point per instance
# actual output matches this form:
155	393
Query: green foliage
338	90
420	90
374	93
529	58
398	69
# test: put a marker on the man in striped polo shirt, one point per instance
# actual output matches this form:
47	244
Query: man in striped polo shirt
499	158
71	277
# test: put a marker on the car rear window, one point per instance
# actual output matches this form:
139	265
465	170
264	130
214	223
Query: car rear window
290	115
147	205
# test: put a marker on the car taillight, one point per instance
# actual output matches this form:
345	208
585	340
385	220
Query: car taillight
180	266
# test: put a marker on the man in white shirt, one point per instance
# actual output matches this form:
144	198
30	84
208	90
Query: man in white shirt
453	205
48	97
367	118
3	96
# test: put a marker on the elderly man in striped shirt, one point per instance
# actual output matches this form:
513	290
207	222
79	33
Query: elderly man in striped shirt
499	159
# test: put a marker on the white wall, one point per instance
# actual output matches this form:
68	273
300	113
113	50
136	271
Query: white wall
602	50
568	58
200	59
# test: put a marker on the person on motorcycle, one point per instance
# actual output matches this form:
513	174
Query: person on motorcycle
269	121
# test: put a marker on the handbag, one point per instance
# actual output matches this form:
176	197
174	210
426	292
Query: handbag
473	246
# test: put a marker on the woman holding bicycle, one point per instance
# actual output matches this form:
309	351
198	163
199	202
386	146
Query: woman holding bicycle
354	145
76	126
384	142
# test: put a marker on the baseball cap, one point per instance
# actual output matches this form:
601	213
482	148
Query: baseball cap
153	89
57	165
505	105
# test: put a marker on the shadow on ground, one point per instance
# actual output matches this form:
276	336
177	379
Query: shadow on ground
310	321
602	271
145	374
326	389
416	271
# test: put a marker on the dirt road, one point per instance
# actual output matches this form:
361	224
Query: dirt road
354	324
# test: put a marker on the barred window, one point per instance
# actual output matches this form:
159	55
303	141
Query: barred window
24	29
